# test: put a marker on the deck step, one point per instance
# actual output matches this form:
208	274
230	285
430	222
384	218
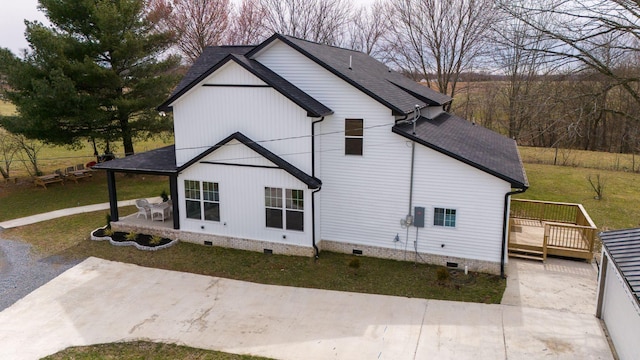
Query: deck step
528	252
524	256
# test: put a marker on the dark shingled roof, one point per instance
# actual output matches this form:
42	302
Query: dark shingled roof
313	107
312	182
392	89
209	57
624	248
472	144
160	161
370	76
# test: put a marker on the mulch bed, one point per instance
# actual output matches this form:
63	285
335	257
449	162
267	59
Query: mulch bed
120	237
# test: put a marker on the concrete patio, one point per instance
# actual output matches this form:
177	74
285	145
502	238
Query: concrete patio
101	301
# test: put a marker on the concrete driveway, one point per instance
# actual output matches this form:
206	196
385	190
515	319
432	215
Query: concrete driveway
101	301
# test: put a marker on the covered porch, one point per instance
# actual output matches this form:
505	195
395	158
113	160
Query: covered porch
541	228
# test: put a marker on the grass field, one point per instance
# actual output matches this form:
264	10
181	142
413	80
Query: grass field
25	199
616	210
581	158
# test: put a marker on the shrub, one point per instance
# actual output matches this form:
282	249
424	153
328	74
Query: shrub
155	240
164	196
108	218
442	274
108	231
132	236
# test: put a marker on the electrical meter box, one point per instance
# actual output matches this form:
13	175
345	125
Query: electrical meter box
418	216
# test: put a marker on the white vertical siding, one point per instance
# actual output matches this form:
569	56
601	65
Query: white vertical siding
237	153
620	315
364	197
233	74
242	206
206	115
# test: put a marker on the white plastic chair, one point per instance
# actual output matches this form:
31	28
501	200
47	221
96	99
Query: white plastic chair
143	208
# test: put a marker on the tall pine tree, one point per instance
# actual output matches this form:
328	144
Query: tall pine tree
96	73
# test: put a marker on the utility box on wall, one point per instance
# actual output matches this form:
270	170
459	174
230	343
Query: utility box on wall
418	216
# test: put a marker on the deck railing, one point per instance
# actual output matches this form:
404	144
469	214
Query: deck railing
545	211
568	229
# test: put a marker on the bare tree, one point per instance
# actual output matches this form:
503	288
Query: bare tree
518	54
368	27
439	38
8	150
30	148
582	29
197	23
247	24
322	21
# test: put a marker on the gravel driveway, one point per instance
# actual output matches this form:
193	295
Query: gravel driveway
21	272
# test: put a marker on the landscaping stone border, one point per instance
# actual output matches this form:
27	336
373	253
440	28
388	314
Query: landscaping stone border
130	243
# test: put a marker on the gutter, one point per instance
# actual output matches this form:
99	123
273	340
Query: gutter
313	194
505	220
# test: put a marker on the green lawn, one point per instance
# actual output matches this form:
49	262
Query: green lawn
618	209
26	199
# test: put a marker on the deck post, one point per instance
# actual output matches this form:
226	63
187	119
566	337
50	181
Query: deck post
173	190
113	196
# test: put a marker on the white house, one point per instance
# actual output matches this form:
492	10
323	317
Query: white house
619	290
296	147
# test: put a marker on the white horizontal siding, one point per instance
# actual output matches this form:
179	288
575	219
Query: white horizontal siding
477	197
206	115
364	197
242	206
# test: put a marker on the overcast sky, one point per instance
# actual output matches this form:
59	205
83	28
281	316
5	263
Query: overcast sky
14	12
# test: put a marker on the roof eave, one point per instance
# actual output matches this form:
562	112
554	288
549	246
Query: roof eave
514	183
310	181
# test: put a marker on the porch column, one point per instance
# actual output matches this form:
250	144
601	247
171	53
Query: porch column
173	190
113	196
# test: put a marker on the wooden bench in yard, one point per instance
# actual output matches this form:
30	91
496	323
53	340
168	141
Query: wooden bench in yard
79	172
48	179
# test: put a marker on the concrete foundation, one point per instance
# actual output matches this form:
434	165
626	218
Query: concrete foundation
164	230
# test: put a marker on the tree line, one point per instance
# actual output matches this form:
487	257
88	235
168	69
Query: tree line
561	73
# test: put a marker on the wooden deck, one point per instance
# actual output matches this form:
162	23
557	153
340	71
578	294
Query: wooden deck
538	229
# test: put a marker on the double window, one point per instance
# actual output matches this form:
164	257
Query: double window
284	212
203	204
444	217
353	136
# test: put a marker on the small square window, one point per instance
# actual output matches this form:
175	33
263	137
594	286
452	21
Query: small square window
444	217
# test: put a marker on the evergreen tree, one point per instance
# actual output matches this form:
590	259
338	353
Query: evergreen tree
96	73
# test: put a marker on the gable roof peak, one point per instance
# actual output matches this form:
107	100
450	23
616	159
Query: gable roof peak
372	77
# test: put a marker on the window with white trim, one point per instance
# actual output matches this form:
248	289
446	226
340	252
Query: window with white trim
211	201
353	136
202	205
444	217
288	214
